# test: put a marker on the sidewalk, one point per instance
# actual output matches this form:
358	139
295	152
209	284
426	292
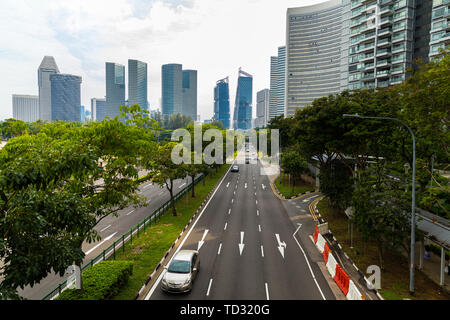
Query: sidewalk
432	268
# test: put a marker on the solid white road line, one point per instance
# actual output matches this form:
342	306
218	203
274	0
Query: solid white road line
98	245
105	228
309	266
209	287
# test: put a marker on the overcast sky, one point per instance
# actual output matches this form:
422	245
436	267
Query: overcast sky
215	37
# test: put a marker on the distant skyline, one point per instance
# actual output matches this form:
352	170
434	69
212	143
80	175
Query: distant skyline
215	37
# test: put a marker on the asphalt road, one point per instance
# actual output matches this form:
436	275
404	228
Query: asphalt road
110	229
249	250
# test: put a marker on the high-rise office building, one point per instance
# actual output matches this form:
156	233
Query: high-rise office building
222	102
115	88
440	27
98	109
277	83
262	108
313	53
46	68
137	83
189	88
171	87
65	97
82	114
242	116
25	107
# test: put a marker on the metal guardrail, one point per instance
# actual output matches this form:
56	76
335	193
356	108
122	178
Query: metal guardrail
128	236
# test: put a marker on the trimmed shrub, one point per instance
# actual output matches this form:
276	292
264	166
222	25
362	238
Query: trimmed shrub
101	281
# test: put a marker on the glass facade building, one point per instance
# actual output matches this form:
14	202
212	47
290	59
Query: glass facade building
440	27
115	89
25	107
46	69
137	83
262	108
222	102
242	116
65	97
277	83
98	109
172	94
314	44
189	89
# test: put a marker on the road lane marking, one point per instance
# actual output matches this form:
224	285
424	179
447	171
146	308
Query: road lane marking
229	211
220	248
257	212
259	227
256	201
155	285
201	242
307	261
98	245
105	228
262	251
226	224
182	185
130	212
209	287
228	184
281	245
232	200
267	291
241	244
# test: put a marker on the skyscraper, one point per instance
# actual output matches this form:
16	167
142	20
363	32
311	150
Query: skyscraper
440	27
277	83
115	88
314	43
262	108
47	67
25	107
171	87
242	117
98	109
137	83
222	102
190	94
65	97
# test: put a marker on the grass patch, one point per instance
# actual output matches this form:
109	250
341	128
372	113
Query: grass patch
394	275
286	190
147	250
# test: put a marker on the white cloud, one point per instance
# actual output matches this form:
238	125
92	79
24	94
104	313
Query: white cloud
215	37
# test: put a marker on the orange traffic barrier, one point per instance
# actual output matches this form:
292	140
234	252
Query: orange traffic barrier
342	279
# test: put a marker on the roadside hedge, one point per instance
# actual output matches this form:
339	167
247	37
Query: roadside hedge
101	282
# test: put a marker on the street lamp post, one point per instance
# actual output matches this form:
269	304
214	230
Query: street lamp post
413	200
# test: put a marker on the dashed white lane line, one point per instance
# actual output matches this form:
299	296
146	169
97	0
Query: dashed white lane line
182	185
257	212
220	248
259	227
130	212
105	228
267	291
209	287
262	251
226	224
229	211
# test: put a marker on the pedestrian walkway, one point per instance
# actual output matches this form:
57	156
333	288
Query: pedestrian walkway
432	268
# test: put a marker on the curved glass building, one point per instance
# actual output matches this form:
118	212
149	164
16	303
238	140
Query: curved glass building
222	102
315	49
242	116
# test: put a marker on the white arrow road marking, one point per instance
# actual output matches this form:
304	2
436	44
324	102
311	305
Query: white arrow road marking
228	184
98	245
241	245
263	186
281	245
201	242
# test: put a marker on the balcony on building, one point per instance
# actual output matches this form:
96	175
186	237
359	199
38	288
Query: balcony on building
384	31
383	73
367	57
384	2
386	10
368	77
386	21
383	62
384	42
369	66
398	49
355	4
398	79
383	84
368	85
366	47
398	38
367	37
384	52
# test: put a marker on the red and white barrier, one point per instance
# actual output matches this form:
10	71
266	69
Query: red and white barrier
338	274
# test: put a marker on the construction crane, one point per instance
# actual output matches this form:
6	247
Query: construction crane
224	79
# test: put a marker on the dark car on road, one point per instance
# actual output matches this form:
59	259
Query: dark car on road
235	168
